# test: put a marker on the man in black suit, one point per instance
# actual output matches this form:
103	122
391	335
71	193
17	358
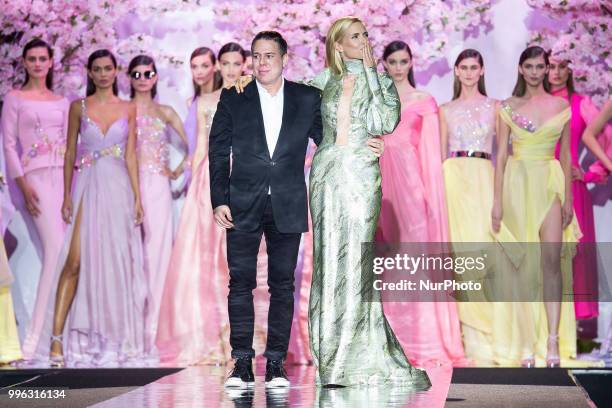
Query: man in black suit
266	130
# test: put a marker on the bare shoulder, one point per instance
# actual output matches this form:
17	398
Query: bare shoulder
208	101
75	106
418	95
166	111
559	103
129	107
607	108
513	100
448	105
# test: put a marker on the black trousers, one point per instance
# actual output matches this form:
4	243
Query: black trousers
242	249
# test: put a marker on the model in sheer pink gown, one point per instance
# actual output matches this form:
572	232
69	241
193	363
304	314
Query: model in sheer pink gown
155	123
585	262
194	324
414	210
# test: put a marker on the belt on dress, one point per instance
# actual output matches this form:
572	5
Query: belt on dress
471	153
90	158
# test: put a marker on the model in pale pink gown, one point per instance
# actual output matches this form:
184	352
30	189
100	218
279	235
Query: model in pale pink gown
155	123
414	210
193	323
153	157
34	144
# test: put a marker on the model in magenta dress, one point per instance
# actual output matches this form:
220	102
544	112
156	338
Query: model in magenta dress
585	262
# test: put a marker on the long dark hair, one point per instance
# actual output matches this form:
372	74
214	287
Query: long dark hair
217	80
530	52
465	54
38	43
142	60
398	45
232	47
91	87
569	84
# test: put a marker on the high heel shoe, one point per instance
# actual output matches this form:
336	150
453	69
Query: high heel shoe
553	360
57	360
528	362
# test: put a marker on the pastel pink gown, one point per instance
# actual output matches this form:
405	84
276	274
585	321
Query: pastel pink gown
193	323
34	145
414	210
156	196
585	262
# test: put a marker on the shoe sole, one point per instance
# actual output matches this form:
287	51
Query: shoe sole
238	383
278	383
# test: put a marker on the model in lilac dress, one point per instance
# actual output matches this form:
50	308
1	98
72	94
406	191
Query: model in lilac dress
105	325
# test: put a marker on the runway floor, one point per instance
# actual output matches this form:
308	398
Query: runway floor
202	386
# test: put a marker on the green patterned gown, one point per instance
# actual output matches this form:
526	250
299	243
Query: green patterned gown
350	338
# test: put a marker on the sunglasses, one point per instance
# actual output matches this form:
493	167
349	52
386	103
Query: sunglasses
146	75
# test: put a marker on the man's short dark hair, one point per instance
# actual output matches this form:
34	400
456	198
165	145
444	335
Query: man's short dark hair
271	36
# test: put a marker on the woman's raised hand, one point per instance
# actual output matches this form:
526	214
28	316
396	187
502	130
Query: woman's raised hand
368	58
242	82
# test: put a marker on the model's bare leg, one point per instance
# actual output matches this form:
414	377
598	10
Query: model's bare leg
550	236
66	289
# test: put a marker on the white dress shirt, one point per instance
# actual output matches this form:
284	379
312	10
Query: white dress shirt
272	112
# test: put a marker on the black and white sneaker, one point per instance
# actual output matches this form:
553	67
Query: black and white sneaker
242	374
276	377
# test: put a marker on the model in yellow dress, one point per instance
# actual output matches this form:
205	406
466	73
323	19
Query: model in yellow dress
533	218
9	339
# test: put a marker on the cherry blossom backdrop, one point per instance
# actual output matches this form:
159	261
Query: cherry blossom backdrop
437	31
574	29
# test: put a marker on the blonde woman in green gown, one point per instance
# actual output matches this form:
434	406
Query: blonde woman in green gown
350	338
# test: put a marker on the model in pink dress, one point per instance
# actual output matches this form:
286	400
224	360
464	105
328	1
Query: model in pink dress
585	262
153	124
414	210
34	124
193	323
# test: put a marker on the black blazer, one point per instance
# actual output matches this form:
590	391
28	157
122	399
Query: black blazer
238	129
